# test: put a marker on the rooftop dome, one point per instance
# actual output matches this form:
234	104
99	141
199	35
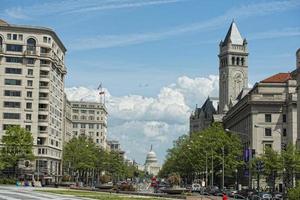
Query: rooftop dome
151	156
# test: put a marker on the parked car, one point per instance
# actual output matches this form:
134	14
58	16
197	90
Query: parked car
238	196
265	196
196	187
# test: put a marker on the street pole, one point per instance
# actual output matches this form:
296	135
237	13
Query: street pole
206	178
212	168
223	170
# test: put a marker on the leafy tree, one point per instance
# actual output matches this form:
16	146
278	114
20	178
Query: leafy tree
294	193
291	164
272	165
189	155
17	145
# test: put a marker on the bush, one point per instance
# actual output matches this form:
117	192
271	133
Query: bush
7	181
294	193
174	179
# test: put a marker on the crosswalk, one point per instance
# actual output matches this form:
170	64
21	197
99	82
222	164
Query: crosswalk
22	193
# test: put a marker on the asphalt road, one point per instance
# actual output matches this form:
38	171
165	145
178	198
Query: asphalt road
28	193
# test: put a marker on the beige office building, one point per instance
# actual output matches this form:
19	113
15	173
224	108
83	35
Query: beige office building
90	119
32	90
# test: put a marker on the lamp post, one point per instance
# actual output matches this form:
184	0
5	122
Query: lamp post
38	161
212	168
236	179
248	141
223	169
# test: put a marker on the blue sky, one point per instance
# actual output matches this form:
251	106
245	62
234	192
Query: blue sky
139	47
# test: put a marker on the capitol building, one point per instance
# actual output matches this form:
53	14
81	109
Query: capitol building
151	164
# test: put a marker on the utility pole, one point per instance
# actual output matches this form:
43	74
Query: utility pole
223	168
212	168
206	178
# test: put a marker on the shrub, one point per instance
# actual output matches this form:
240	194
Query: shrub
7	181
294	193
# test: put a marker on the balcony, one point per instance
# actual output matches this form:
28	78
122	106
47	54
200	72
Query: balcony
31	52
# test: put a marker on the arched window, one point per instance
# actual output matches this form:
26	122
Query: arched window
238	61
31	44
0	41
233	60
242	61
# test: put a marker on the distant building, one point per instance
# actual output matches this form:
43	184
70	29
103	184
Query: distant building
90	119
202	117
151	164
114	145
32	73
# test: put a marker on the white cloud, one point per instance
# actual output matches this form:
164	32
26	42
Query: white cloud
245	11
136	120
75	6
286	32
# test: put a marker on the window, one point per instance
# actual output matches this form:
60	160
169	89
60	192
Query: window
268	132
75	125
91	112
75	132
45	39
12	93
284	132
13	71
12	82
97	134
97	140
284	118
28	116
29	94
91	126
14	60
75	111
82	125
8	36
28	127
56	143
31	44
14	47
267	145
7	126
268	118
30	72
29	83
29	105
30	61
11	104
11	116
20	37
15	36
52	142
83	111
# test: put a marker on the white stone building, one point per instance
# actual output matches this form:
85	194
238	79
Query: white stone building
151	164
90	119
32	73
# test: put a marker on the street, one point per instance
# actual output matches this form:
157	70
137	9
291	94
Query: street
29	193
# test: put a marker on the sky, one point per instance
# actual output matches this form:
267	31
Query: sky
157	59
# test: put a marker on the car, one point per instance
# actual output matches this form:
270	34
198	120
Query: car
265	196
196	187
238	196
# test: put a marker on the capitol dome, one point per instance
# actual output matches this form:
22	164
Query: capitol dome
151	157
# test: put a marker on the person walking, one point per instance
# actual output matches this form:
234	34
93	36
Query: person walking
224	196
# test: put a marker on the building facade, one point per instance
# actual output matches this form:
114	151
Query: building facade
267	115
233	67
32	73
90	119
151	164
202	117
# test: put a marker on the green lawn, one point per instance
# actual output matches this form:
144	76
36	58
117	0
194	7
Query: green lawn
97	195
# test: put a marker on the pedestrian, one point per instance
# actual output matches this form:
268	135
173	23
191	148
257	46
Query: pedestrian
224	196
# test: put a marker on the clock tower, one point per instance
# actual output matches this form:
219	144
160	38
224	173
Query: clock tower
233	67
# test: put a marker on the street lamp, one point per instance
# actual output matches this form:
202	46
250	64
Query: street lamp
38	161
245	146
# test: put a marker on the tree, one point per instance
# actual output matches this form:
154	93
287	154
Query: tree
17	145
272	165
291	164
189	155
